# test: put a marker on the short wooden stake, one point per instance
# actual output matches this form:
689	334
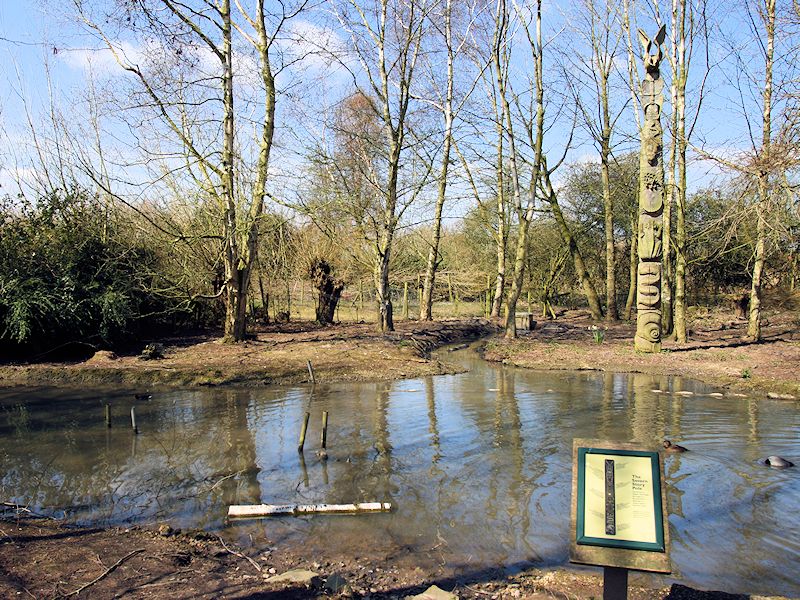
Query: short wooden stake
133	420
615	583
302	441
311	372
108	415
323	438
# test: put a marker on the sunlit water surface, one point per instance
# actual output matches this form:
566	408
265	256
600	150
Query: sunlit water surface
478	466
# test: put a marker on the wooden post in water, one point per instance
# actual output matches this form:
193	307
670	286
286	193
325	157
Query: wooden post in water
323	437
311	372
302	441
108	415
133	420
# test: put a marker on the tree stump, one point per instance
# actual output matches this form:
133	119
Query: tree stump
329	288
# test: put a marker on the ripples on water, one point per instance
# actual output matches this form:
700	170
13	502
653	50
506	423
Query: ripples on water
478	466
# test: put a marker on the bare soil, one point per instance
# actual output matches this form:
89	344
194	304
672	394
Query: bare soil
717	351
276	354
46	559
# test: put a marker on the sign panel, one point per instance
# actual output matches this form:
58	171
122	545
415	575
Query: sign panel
618	516
619	499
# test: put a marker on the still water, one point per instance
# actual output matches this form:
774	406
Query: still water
478	466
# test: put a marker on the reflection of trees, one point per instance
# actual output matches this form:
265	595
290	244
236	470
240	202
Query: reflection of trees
647	420
92	473
433	424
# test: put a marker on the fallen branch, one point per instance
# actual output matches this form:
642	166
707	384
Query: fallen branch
106	573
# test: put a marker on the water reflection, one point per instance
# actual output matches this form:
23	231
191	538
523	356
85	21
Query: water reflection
478	465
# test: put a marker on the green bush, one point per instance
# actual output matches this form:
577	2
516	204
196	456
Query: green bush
70	273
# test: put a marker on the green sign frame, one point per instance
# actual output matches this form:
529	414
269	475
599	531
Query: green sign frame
658	512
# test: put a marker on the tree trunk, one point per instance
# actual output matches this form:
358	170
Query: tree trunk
501	236
668	283
535	135
520	259
426	306
328	288
754	323
235	279
577	257
608	209
383	293
634	261
680	187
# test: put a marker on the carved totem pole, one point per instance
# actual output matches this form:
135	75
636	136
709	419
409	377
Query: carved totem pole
651	200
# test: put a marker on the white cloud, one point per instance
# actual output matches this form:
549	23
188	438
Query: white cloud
100	60
312	45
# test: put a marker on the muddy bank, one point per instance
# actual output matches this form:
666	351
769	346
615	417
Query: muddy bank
276	354
716	352
46	559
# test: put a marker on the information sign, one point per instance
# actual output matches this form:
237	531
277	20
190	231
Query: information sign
618	514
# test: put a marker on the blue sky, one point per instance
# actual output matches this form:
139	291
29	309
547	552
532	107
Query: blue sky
35	39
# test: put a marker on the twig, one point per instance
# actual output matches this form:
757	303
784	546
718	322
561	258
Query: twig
472	589
225	478
24	509
240	555
106	573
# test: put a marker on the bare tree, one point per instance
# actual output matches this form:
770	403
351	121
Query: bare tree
594	93
531	23
453	48
765	9
179	34
571	242
385	39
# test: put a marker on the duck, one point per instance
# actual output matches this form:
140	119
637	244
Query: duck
143	397
778	462
670	447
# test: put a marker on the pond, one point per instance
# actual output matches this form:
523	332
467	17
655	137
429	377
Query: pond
478	466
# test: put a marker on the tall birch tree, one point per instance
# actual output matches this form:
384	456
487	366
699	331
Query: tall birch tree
196	109
385	40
